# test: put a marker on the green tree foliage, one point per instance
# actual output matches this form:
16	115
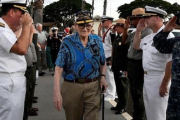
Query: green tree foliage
126	9
63	11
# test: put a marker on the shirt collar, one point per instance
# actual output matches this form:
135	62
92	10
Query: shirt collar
162	27
77	39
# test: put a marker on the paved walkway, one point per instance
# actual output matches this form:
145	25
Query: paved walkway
44	91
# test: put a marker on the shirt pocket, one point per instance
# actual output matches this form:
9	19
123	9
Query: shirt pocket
19	84
144	47
6	85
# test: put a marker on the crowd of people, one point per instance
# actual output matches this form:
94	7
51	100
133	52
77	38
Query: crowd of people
144	63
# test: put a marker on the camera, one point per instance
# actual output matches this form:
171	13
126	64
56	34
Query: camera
178	18
54	33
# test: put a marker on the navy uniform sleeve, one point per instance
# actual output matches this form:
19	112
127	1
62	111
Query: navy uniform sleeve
163	44
62	55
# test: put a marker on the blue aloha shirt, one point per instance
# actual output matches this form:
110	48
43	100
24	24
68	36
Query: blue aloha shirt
171	45
78	61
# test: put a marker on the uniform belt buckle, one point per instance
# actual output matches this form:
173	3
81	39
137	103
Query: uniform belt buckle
145	72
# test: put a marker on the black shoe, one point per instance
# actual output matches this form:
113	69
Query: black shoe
114	108
32	113
41	74
53	74
34	109
120	111
34	101
35	97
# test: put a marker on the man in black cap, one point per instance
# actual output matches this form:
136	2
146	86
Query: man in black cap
134	66
12	60
157	66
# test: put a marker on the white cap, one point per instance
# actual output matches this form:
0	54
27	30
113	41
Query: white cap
151	11
104	17
13	1
19	4
54	28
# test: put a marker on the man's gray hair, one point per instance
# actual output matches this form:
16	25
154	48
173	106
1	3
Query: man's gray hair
38	24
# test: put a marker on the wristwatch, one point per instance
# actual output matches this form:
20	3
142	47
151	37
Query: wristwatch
103	75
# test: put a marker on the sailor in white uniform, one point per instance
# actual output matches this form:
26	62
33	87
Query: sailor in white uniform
157	66
108	38
12	60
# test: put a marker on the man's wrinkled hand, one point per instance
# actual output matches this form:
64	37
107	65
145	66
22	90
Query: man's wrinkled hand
103	83
57	100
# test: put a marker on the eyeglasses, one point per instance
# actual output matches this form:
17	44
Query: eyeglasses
82	26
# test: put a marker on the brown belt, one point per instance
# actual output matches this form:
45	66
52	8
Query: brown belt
82	81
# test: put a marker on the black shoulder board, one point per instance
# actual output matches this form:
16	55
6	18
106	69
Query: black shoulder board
2	25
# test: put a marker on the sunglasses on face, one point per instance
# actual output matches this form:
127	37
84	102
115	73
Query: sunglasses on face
82	26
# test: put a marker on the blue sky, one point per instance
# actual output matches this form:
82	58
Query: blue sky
112	6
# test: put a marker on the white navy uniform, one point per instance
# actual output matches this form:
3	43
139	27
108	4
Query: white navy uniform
154	63
12	79
111	89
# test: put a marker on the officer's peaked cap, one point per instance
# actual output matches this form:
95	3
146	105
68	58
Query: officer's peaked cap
19	4
152	11
104	18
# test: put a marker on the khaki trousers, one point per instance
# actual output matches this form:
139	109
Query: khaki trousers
81	101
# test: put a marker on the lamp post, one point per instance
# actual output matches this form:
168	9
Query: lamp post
92	7
82	5
105	6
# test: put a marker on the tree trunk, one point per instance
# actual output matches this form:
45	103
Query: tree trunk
38	11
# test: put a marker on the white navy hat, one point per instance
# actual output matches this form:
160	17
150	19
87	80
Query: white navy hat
54	28
152	11
104	18
19	4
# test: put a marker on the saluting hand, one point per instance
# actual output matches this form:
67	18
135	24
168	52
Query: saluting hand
141	25
100	27
26	19
170	25
127	23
